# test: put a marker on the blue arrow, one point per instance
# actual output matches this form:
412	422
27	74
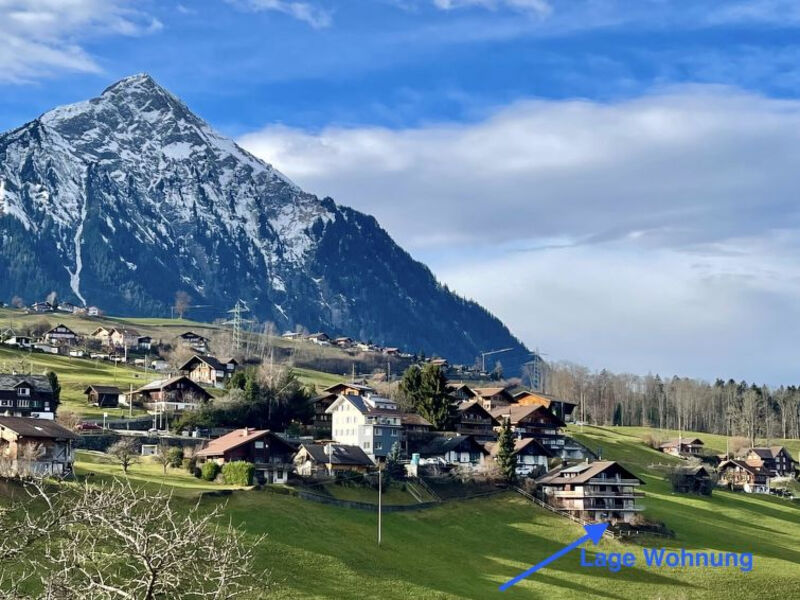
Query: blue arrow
593	532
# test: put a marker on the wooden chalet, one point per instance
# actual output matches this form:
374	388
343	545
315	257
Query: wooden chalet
318	338
35	447
349	389
194	340
454	450
775	460
26	396
682	447
473	419
692	480
493	397
533	421
60	334
462	392
560	407
104	396
270	454
20	341
208	369
532	457
414	423
321	421
325	460
740	475
172	395
123	338
599	491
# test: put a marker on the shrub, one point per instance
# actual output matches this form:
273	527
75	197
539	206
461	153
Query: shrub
191	466
209	471
175	457
238	473
650	440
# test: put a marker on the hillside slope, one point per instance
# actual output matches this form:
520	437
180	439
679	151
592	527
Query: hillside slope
123	200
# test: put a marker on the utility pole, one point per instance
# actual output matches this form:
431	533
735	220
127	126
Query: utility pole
380	503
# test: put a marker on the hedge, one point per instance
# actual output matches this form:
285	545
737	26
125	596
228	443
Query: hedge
209	470
238	473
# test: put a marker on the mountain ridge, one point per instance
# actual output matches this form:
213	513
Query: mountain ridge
127	198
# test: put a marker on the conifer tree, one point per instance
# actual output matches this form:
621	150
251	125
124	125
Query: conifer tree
506	458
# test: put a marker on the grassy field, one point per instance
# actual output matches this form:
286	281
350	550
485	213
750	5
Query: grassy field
466	549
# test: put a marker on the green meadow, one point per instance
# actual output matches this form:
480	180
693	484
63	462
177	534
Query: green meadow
466	549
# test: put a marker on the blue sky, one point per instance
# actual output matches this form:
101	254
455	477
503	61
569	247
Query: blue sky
616	180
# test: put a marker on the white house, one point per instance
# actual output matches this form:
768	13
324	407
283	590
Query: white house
371	422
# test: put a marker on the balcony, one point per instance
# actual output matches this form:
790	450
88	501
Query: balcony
597	494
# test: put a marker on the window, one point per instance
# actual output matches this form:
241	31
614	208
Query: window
23	403
23	392
367	445
378	431
259	444
394	432
6	403
378	445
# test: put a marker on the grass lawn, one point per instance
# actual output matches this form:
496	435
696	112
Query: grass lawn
466	549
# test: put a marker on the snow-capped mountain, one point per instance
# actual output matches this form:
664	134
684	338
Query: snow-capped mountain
123	200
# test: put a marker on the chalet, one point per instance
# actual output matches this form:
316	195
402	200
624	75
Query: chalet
533	421
270	454
66	307
20	341
599	491
26	396
174	395
775	460
123	338
60	334
159	365
391	351
692	480
368	421
193	340
682	447
349	389
104	396
292	335
473	419
144	342
463	393
458	450
739	475
414	423
35	447
440	362
321	421
208	370
493	397
315	460
560	407
93	311
102	335
343	342
318	338
532	457
41	307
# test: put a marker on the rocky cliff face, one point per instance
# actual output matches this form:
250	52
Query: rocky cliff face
123	200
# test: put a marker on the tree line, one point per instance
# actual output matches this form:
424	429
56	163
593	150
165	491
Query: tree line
722	407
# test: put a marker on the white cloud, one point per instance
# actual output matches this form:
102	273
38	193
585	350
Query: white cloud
308	12
539	7
629	233
42	37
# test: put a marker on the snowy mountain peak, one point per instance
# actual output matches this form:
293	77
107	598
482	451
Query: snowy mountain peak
127	198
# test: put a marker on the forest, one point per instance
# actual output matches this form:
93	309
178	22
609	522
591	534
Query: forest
724	407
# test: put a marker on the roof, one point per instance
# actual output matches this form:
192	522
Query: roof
211	361
683	441
529	444
365	407
355	386
517	413
545	398
771	452
38	382
465	406
487	392
61	326
742	464
443	444
694	471
236	438
36	428
103	389
340	454
159	383
415	419
583	472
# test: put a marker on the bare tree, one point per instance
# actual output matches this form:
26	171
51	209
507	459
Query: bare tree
126	453
17	302
117	542
183	301
162	456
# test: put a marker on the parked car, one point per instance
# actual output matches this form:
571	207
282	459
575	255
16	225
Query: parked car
88	427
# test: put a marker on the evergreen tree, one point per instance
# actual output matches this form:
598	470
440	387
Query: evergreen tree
394	468
53	378
506	458
426	390
617	420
